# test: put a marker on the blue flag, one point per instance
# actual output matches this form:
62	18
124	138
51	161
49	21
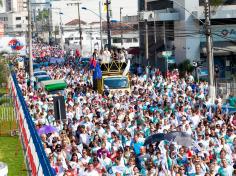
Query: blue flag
97	74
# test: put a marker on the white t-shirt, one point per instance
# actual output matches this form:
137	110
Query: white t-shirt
84	138
92	173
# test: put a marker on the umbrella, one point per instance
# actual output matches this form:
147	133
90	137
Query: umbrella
47	129
181	138
154	138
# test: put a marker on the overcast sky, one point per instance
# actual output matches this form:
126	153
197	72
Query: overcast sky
130	8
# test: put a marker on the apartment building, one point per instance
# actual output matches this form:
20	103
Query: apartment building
178	26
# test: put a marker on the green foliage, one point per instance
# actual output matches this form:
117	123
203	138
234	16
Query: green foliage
3	71
42	15
216	2
185	66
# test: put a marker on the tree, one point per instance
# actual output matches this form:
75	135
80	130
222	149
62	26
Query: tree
216	3
185	66
43	14
3	72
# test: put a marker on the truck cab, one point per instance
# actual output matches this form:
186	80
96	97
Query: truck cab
113	79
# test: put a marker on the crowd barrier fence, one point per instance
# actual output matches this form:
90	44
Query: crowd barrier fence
38	162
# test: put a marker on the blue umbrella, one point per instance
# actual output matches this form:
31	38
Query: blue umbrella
47	129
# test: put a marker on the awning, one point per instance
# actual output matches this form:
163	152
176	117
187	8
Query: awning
221	48
134	51
171	60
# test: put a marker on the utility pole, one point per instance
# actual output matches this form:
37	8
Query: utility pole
121	28
100	14
61	32
50	24
146	36
209	47
155	37
30	40
80	28
108	3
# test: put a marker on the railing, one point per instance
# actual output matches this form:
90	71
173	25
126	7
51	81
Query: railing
7	116
34	151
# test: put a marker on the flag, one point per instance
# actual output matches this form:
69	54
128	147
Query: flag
93	63
97	74
127	68
105	7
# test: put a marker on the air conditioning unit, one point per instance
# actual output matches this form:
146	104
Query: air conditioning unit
148	15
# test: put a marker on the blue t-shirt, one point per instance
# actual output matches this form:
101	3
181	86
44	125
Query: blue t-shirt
136	147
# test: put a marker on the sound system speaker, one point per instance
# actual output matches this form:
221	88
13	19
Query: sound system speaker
26	65
59	108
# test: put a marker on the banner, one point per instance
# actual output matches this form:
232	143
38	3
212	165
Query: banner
34	151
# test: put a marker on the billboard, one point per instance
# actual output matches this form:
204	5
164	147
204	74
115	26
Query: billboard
222	33
13	45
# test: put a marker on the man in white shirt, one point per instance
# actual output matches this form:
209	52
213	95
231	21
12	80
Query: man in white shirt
90	171
225	169
106	56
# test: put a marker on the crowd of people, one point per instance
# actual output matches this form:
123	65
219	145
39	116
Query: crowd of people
41	50
105	134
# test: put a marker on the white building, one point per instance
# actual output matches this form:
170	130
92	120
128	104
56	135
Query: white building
14	17
178	29
91	35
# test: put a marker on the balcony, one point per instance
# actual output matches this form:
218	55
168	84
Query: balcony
225	12
168	14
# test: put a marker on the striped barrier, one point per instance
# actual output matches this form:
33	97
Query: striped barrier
38	161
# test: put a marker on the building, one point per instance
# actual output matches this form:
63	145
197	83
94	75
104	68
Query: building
14	16
91	38
177	26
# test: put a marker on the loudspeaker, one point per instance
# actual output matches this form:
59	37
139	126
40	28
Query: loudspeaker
26	65
59	108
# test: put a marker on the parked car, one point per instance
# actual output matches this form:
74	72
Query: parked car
40	73
42	78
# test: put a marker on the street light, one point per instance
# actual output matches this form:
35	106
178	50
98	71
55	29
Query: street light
100	17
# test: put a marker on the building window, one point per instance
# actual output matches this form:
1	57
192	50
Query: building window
18	18
135	40
26	18
18	26
116	40
128	40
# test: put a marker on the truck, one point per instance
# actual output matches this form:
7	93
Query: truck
113	78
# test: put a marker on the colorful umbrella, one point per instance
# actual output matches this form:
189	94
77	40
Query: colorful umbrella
47	129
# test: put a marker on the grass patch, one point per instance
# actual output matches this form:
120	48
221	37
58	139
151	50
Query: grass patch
3	90
12	154
7	126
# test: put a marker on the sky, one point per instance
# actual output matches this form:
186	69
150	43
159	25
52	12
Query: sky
130	7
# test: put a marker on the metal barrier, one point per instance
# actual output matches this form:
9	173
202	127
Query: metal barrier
225	87
8	125
36	157
6	108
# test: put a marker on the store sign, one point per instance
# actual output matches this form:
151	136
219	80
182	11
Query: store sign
222	33
228	32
